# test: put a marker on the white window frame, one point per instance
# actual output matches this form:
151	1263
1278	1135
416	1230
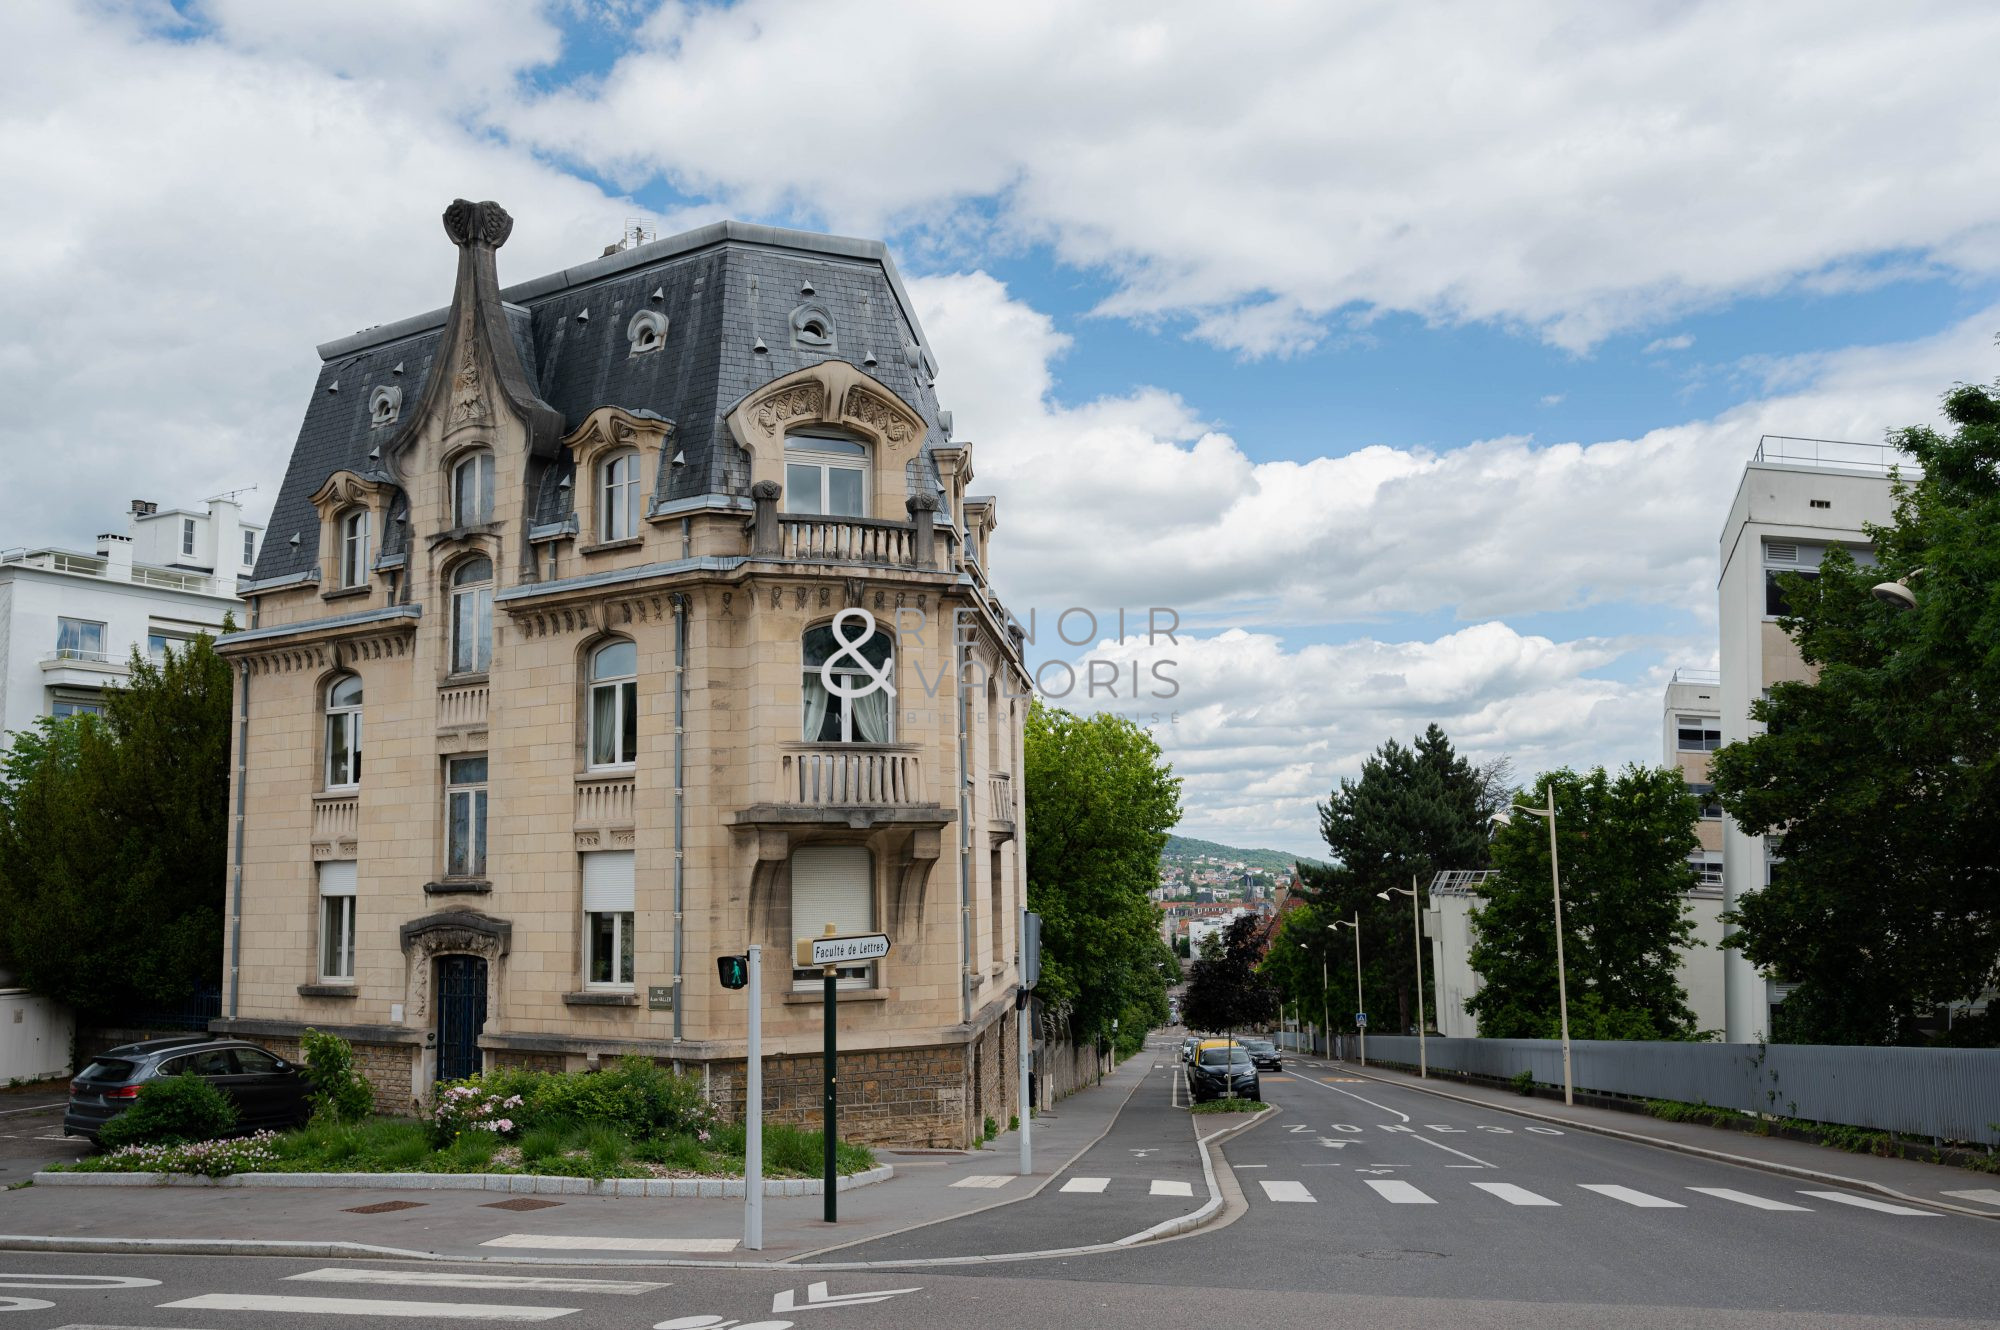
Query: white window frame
336	921
811	679
344	717
72	636
159	643
618	496
249	548
478	467
187	537
609	894
1710	728
65	705
623	697
354	534
471	793
800	454
1708	865
472	649
819	898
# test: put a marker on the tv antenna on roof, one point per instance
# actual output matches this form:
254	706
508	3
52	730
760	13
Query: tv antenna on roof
230	495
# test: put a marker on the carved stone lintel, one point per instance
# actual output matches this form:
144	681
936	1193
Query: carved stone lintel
799	400
885	418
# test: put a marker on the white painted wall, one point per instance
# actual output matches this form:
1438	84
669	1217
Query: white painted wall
34	1036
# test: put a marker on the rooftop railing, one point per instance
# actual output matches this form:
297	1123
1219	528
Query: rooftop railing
1832	454
87	565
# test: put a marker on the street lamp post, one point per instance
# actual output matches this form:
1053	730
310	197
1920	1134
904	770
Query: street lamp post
1322	1000
1360	1007
1416	932
1502	818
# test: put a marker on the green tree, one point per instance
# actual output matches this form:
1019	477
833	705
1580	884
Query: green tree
1880	781
1100	801
113	840
1413	812
1225	992
1623	848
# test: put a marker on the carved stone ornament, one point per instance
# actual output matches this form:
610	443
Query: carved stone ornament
799	400
451	932
469	223
885	419
768	491
467	400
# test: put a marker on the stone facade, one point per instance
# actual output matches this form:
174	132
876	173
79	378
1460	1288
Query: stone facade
714	593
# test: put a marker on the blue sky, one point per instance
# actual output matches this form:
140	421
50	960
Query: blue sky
1414	364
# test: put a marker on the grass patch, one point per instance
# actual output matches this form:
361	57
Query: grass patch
1229	1106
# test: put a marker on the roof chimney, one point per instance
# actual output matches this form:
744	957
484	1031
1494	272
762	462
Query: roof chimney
144	507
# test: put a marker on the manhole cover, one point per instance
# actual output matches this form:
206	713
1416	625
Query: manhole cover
1401	1255
521	1203
387	1207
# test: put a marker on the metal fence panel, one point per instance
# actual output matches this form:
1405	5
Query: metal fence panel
1944	1093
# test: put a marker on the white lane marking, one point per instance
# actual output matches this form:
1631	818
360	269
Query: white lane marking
1162	1187
1400	1193
1513	1195
435	1311
1745	1198
817	1296
75	1283
1630	1197
1287	1191
1984	1195
34	1108
985	1180
25	1304
1370	1102
1241	1167
447	1279
1866	1203
1092	1185
584	1242
1460	1153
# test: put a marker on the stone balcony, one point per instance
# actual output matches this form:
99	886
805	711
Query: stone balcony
336	826
861	541
851	785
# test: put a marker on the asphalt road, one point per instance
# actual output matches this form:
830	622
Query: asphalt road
1364	1205
31	1134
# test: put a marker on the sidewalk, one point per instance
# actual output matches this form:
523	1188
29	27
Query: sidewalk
573	1229
1935	1184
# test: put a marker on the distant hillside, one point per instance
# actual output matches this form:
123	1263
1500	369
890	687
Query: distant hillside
1187	849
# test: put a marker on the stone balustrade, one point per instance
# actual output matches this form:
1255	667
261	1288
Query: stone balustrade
605	802
463	707
851	775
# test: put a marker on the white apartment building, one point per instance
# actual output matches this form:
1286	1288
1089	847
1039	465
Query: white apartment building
1691	729
1798	499
69	619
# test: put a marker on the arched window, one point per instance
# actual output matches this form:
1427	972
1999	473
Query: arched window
867	713
472	490
343	733
472	616
826	475
354	547
618	496
614	705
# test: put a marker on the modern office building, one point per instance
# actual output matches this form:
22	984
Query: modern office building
613	622
1691	728
1798	498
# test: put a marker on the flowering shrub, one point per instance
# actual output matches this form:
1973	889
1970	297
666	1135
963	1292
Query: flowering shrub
208	1159
469	1107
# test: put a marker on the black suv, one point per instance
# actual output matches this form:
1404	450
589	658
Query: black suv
267	1090
1264	1053
1216	1071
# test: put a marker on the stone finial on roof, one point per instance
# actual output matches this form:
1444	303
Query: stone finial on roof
469	223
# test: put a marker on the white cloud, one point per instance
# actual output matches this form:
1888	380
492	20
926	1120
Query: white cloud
1552	399
1134	500
1678	342
1575	169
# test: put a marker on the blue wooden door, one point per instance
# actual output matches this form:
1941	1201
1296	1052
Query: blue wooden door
461	1009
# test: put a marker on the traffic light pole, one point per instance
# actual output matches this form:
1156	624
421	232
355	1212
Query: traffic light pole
832	1094
753	1108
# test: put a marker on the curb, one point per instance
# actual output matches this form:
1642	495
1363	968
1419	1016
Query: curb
688	1188
1682	1147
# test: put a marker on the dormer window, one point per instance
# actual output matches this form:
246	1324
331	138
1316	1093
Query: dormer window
826	475
618	496
354	547
472	491
647	331
812	325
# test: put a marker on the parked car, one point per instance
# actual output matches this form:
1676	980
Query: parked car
1264	1053
1188	1046
267	1090
1220	1068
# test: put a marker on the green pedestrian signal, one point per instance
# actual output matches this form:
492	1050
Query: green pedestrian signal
734	971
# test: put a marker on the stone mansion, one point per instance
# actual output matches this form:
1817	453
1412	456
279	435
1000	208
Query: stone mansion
531	719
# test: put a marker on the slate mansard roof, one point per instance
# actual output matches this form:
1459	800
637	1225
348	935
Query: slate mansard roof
724	289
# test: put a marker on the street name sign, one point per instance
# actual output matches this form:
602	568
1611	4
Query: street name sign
842	950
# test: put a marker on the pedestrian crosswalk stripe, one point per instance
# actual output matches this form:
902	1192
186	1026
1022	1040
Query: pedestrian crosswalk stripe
1162	1187
430	1311
1630	1197
1086	1184
1984	1195
985	1180
1286	1191
585	1242
1400	1193
1513	1195
453	1279
1745	1198
1866	1203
